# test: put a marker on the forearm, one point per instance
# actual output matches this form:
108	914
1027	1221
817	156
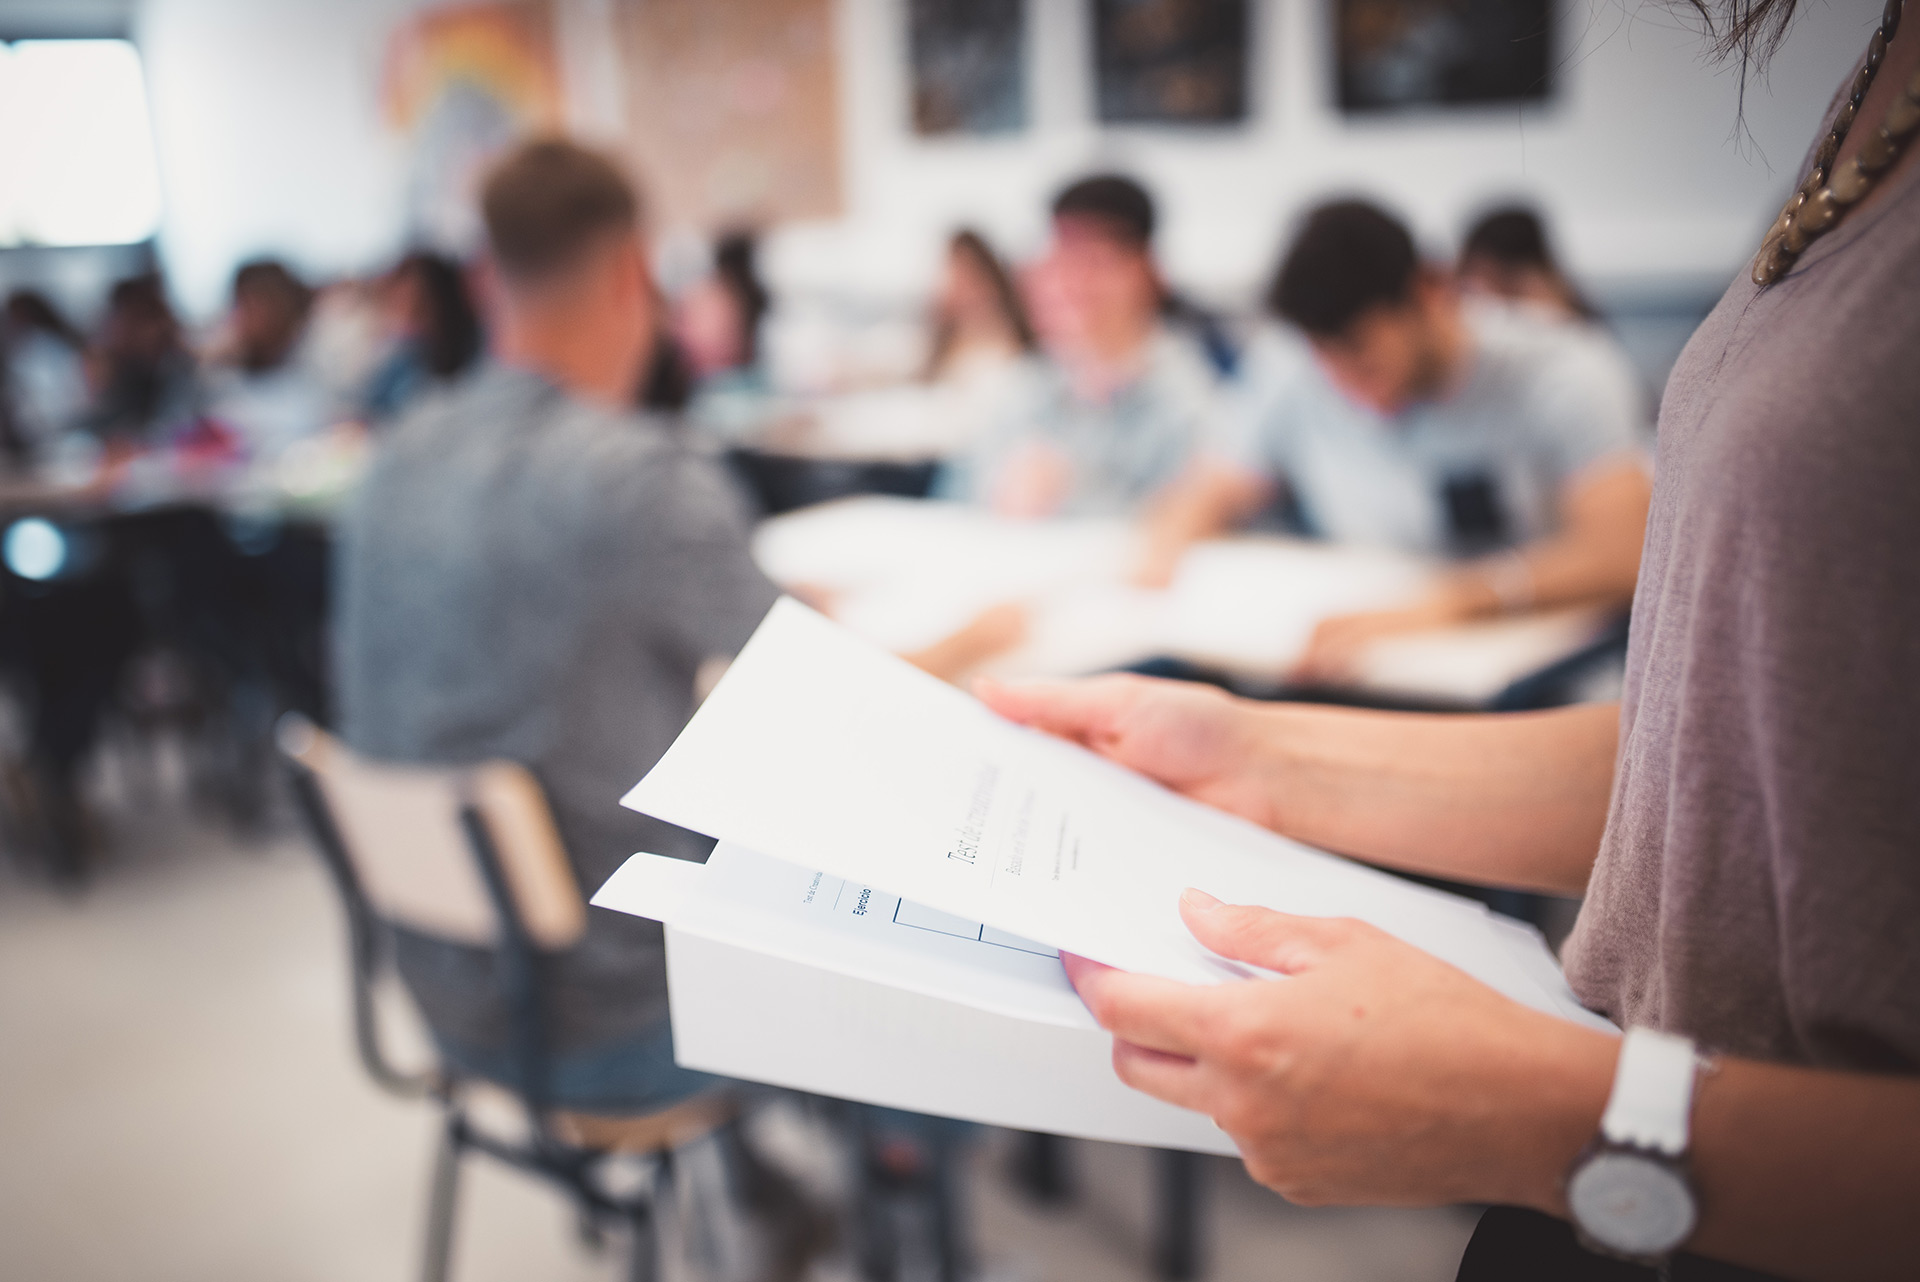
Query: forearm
1801	1172
1510	800
1574	569
1206	500
1593	558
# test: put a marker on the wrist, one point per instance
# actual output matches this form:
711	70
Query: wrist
1553	1088
1463	596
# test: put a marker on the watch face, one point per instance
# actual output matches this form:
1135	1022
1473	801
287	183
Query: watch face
1631	1204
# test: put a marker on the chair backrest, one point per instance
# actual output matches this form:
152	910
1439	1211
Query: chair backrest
401	829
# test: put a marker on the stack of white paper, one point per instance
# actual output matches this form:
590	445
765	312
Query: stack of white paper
890	852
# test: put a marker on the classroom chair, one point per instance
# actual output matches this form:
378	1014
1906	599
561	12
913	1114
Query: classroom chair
471	855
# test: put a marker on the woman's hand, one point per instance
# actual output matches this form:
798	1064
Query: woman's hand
1191	738
1372	1073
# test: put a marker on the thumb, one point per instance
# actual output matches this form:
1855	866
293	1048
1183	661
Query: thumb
1068	709
1271	940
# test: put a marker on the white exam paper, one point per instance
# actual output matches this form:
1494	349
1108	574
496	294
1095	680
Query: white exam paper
800	979
824	751
811	918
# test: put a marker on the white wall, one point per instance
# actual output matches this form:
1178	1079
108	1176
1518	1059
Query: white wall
266	117
266	120
1639	162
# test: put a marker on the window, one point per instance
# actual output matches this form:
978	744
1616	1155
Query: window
76	148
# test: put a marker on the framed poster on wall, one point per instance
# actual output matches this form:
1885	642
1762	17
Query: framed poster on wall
733	109
969	66
1411	55
1170	62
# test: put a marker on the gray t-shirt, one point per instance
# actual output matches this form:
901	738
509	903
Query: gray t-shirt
525	576
1120	450
1758	886
1541	401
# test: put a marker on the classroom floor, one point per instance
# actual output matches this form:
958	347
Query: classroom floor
179	1103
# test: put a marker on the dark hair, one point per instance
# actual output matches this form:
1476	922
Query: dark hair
29	310
271	278
547	201
141	300
972	245
1115	200
667	384
736	267
1349	257
1513	236
1751	28
450	338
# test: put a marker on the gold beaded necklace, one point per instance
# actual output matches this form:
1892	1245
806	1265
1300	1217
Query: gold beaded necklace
1819	204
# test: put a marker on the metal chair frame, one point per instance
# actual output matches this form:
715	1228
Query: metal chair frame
542	1154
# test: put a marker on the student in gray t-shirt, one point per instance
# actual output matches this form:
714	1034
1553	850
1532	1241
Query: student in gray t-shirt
1395	415
532	571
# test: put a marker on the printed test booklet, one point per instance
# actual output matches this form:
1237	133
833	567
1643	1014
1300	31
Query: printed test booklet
961	852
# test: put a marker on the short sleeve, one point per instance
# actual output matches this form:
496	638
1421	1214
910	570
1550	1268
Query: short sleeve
689	558
1252	425
1588	406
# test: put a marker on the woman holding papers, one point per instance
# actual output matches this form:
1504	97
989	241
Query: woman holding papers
1745	827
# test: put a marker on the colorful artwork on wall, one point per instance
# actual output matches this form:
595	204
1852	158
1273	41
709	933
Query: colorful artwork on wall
1180	62
461	83
1402	55
969	63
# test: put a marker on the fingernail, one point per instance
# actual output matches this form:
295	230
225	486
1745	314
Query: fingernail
1198	900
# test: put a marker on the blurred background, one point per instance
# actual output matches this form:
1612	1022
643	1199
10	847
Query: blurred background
235	241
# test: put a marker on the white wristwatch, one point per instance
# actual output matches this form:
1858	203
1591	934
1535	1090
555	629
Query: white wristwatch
1629	1190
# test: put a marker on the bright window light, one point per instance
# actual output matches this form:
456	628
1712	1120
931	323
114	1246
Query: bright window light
76	148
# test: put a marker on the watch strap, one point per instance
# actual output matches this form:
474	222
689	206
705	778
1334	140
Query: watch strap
1652	1092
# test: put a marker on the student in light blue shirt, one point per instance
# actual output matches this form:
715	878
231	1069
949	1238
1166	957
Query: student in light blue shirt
1396	415
1120	404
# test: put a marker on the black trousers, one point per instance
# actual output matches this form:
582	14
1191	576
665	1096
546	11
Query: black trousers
1513	1245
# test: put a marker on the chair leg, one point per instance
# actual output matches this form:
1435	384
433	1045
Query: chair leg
440	1204
643	1265
952	1234
1176	1247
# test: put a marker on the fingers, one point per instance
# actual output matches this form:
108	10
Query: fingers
1154	1013
1268	939
1173	1078
1076	710
1330	652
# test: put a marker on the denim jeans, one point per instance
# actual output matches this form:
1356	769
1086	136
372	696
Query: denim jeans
633	1076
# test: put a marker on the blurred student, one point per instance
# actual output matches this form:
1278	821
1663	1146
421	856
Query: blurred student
1120	405
432	328
716	326
1397	416
43	382
981	350
264	385
531	569
144	381
980	326
1506	258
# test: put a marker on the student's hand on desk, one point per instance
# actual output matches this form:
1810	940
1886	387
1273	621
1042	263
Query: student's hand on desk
1158	561
1191	738
1333	652
1373	1073
1033	483
990	633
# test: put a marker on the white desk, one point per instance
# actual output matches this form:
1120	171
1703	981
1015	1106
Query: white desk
906	573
